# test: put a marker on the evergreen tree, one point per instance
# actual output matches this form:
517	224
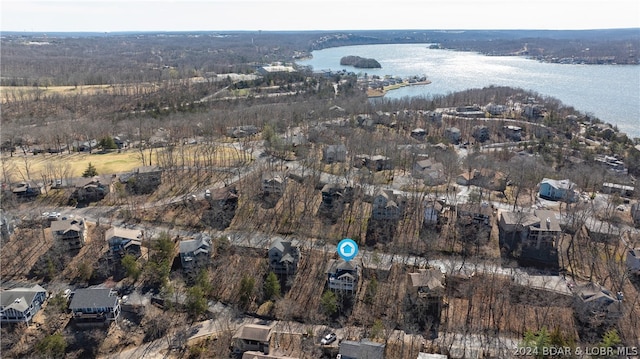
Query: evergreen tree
329	303
271	286
90	171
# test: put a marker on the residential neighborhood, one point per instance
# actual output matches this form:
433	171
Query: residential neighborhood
199	214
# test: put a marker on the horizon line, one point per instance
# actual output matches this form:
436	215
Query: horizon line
314	30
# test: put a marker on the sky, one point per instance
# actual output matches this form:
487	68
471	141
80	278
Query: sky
270	15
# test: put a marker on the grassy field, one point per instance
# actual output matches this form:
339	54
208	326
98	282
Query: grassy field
105	163
9	93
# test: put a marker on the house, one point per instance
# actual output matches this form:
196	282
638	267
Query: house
342	275
426	285
84	146
388	205
275	69
363	349
432	172
260	355
480	133
419	134
123	241
468	213
432	211
495	110
92	189
335	194
533	237
513	133
223	200
195	253
95	305
334	153
453	134
473	111
20	305
558	190
373	163
633	261
143	180
433	116
635	213
26	190
242	131
485	178
622	190
252	337
274	183
284	257
431	356
70	232
594	303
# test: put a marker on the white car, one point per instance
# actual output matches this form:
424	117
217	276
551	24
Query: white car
328	339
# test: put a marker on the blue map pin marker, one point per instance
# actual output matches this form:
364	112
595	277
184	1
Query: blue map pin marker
347	249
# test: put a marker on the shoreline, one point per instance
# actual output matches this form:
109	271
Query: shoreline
374	93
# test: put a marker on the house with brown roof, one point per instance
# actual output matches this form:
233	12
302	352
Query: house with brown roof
478	213
70	233
426	285
252	337
123	241
223	203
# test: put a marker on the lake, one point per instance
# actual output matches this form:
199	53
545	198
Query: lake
610	92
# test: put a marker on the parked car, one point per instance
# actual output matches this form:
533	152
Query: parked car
328	339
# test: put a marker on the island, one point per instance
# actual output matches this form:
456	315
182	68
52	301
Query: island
360	62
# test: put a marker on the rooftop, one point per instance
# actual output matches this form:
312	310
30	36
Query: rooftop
93	298
255	332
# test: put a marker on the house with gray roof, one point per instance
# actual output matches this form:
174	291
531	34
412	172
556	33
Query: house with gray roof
558	190
195	253
70	233
633	261
453	134
342	275
284	257
334	153
596	304
274	184
532	237
95	305
363	349
432	172
388	205
20	305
